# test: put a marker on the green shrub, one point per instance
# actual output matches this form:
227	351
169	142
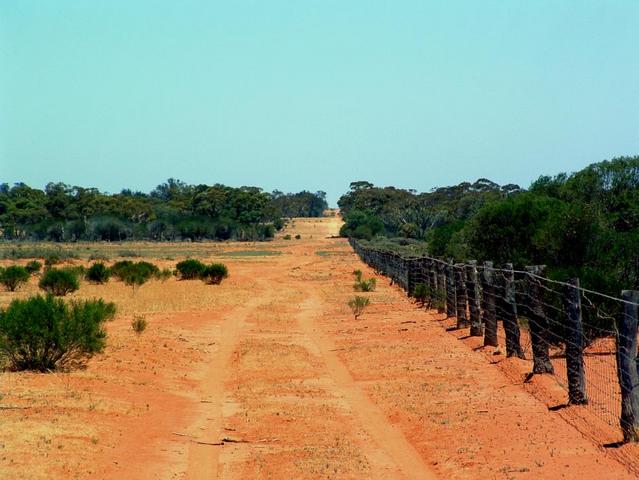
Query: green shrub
421	293
134	273
59	282
365	285
190	269
358	304
33	267
45	333
298	237
118	269
14	276
214	273
98	273
138	324
286	237
147	269
358	274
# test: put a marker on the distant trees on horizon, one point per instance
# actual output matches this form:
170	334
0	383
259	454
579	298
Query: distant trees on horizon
173	210
584	224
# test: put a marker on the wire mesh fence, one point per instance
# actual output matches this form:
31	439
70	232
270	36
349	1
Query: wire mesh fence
585	340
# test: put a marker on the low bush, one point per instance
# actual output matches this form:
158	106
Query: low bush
365	285
138	324
33	267
286	237
134	273
358	275
190	269
14	276
98	273
358	304
45	333
214	273
298	237
59	282
119	268
421	293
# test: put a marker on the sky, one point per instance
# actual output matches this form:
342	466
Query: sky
312	94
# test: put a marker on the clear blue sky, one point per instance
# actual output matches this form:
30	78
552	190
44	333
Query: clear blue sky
314	94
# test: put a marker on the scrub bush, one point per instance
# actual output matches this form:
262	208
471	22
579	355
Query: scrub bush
190	269
14	276
59	282
214	273
45	333
98	273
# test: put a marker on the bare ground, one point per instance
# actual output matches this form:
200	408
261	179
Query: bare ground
270	376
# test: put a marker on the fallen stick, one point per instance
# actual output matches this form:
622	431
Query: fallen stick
201	442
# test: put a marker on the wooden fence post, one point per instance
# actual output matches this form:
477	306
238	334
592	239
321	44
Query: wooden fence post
509	314
460	291
432	281
488	310
441	291
450	290
627	366
476	329
538	322
574	345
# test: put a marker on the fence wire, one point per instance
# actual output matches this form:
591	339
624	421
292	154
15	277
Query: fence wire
569	332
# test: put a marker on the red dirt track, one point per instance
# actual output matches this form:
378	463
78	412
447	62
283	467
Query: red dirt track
270	376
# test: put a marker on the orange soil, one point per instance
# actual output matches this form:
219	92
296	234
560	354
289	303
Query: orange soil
269	376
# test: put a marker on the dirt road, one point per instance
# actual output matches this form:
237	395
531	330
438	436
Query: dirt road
270	376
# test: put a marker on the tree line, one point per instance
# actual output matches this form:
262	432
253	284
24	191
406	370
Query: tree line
584	224
173	210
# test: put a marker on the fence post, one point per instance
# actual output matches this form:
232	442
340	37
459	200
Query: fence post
460	291
441	284
574	345
627	366
488	301
509	314
450	290
476	329
538	322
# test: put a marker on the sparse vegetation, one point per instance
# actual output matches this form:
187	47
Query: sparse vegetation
362	285
138	324
164	274
51	260
59	282
358	304
45	333
287	236
14	276
298	237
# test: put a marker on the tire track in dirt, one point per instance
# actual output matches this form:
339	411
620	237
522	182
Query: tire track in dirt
388	440
202	456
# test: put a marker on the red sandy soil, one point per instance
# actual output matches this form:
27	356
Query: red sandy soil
269	376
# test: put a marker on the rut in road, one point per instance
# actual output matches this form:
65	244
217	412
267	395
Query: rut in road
285	393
